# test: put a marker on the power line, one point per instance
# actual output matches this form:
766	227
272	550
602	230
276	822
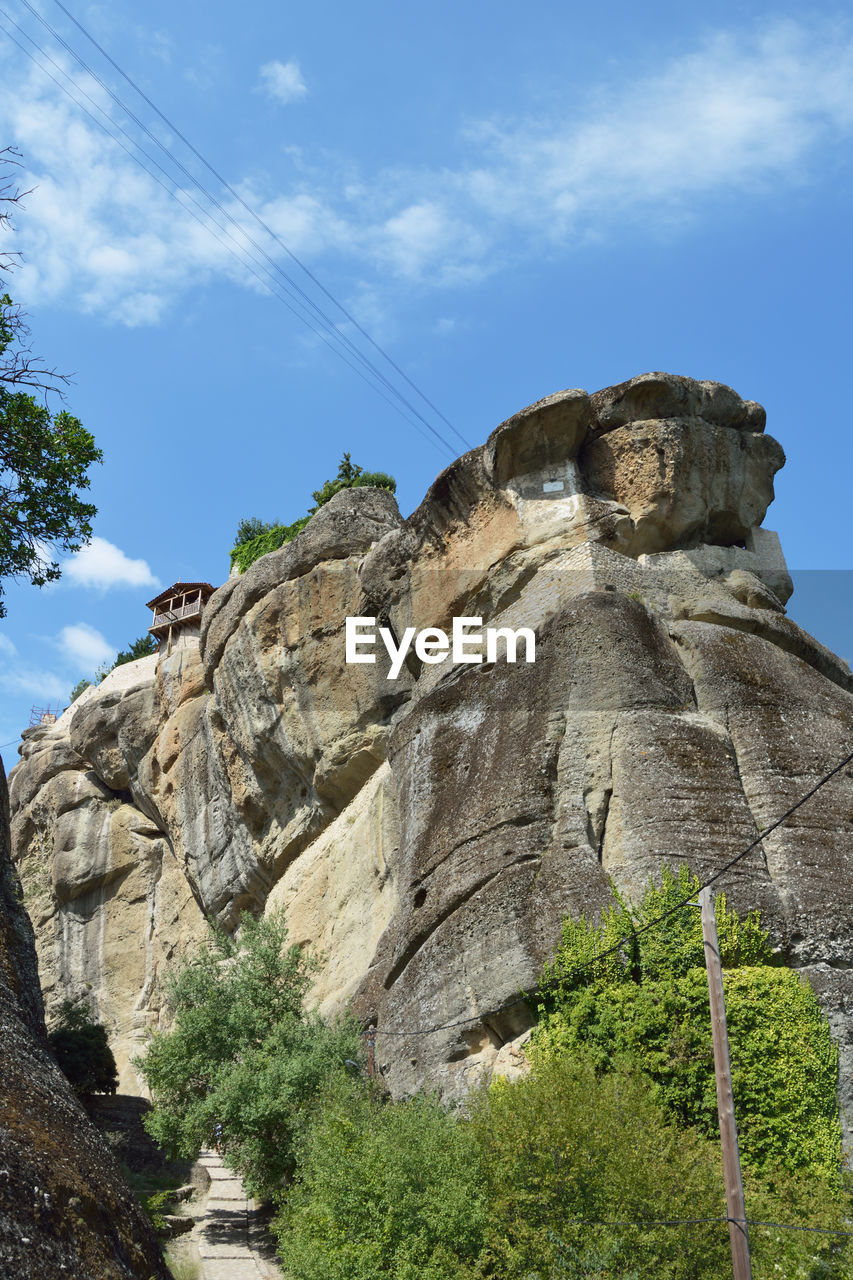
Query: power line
650	924
260	221
295	291
265	279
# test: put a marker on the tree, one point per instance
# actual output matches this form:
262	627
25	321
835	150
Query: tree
351	476
44	456
648	1004
251	527
79	687
143	647
82	1050
243	1052
383	1189
256	539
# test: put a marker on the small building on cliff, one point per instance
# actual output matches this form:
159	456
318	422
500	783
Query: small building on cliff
177	615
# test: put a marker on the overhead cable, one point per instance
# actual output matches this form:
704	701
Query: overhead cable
635	933
253	214
208	222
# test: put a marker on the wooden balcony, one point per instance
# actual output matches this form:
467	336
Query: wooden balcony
175	617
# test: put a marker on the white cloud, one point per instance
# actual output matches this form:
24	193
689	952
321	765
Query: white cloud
745	115
43	685
101	564
85	647
7	649
282	81
728	119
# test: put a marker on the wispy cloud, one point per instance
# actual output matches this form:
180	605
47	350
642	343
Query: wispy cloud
743	115
282	81
44	685
103	565
84	646
7	649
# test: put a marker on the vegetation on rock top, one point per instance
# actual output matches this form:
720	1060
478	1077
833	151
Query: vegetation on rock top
255	538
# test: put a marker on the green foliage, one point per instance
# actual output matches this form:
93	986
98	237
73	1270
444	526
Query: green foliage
564	1144
648	1005
251	527
244	1053
82	1051
255	538
44	460
44	457
78	689
276	536
351	476
156	1205
383	1190
141	648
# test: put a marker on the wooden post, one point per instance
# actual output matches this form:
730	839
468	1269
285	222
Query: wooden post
371	1053
738	1237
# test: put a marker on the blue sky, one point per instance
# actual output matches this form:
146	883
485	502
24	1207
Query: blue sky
511	201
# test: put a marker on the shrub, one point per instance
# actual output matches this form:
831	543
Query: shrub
271	539
255	538
78	689
649	1004
250	528
244	1053
82	1051
383	1190
566	1150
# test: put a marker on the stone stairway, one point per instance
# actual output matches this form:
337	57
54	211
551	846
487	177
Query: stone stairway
233	1243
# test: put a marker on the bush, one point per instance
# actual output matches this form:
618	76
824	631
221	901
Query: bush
271	539
243	1053
351	477
255	538
78	689
649	1005
564	1149
250	528
383	1190
82	1051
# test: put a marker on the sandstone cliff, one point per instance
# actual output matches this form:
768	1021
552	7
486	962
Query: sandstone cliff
64	1210
427	834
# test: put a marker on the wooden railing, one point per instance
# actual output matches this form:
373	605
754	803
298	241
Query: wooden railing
191	610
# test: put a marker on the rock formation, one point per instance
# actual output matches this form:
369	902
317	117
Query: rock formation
64	1210
427	834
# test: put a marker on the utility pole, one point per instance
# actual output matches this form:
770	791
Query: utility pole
738	1237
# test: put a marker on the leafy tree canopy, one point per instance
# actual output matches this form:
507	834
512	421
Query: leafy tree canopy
252	527
82	1050
383	1190
351	476
140	648
78	689
243	1052
44	456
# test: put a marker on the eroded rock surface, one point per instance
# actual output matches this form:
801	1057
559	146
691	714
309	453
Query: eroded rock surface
428	833
64	1210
